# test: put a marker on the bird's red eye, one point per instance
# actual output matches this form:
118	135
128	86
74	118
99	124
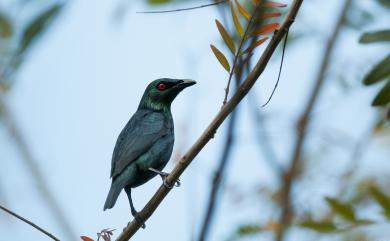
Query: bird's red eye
161	86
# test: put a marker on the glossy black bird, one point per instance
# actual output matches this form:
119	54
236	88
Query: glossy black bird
145	144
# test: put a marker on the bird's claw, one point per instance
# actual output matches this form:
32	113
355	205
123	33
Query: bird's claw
137	219
164	176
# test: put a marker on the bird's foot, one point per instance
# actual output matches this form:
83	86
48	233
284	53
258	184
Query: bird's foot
164	175
137	218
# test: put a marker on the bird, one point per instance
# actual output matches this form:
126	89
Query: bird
145	144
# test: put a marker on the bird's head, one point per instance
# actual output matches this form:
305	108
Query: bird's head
160	93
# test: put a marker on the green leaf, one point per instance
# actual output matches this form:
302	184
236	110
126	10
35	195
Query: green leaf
221	58
345	210
243	11
383	97
5	27
249	229
322	227
382	199
236	21
379	72
385	3
228	40
374	37
37	26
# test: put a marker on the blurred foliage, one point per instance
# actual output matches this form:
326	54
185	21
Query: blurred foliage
18	36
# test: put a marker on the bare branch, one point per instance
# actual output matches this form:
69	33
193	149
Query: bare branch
29	223
186	9
208	134
291	172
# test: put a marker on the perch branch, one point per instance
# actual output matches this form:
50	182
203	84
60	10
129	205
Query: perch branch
210	131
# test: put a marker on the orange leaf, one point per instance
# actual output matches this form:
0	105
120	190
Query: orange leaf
228	40
265	29
243	11
236	22
273	5
221	58
256	44
85	238
270	15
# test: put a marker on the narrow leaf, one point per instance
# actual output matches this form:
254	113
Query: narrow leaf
345	210
270	15
322	227
37	26
236	22
273	5
265	29
379	72
374	37
5	27
268	4
255	45
382	199
85	238
221	58
243	11
383	97
228	40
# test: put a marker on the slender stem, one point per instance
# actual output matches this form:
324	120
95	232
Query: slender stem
186	9
303	122
29	223
209	132
236	56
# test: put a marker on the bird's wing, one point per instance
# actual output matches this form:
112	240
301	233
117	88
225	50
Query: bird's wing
139	134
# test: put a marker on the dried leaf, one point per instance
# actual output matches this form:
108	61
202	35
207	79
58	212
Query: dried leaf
254	45
265	29
273	5
85	238
270	15
228	40
221	58
236	22
243	11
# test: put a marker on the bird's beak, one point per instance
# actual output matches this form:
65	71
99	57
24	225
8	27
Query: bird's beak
185	83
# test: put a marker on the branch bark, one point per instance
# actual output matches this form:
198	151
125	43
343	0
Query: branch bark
29	223
303	123
210	131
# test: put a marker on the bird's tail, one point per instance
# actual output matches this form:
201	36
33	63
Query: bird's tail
112	196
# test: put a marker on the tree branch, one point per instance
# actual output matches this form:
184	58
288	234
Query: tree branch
303	122
210	131
186	9
29	223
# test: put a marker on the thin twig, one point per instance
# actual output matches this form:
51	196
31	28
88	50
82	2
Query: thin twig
185	9
280	71
210	131
29	223
291	173
236	56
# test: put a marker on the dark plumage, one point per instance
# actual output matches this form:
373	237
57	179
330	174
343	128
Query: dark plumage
146	141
